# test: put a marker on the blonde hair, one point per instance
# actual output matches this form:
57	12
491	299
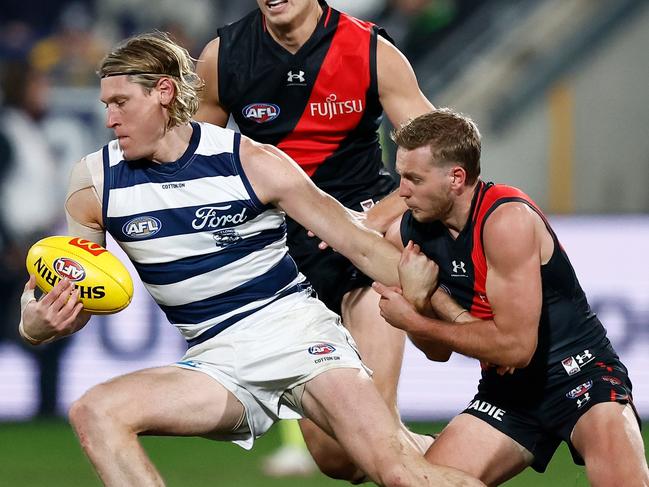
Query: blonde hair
146	58
452	137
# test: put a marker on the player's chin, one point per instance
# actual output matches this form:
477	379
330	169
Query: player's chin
422	216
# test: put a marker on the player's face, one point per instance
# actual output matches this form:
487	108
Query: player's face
283	13
136	117
425	187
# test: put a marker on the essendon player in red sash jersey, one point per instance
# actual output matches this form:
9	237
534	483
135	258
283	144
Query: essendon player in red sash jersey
549	373
314	82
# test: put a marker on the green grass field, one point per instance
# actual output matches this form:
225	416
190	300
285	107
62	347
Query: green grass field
46	454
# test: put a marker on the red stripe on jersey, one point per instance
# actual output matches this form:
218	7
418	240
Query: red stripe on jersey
338	99
487	198
328	16
613	395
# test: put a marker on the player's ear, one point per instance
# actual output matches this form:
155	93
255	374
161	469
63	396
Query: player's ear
458	177
166	90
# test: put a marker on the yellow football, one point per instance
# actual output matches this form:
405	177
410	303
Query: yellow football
105	285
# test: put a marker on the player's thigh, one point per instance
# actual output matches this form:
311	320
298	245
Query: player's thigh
477	448
380	344
608	435
344	402
166	401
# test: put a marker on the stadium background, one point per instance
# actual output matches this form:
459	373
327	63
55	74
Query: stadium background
559	88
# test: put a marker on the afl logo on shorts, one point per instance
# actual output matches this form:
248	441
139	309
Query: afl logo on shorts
261	112
69	268
322	349
580	390
142	227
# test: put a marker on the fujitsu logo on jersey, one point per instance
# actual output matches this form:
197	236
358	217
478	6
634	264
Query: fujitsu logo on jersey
331	107
209	217
261	112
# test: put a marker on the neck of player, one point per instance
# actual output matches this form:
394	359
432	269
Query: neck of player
459	215
173	144
293	35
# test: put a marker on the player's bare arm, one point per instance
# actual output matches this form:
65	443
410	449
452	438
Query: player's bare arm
59	313
399	91
277	179
515	241
207	68
401	99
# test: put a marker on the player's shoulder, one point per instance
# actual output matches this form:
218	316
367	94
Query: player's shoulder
241	26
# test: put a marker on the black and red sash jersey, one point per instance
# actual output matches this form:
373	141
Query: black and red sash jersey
567	323
319	105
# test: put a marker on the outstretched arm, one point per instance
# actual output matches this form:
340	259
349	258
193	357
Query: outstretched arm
278	180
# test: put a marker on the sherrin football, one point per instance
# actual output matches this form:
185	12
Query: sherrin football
105	285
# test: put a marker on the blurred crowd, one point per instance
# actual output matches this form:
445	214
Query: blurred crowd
54	46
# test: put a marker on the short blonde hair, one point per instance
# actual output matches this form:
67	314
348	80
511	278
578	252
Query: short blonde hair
452	137
146	58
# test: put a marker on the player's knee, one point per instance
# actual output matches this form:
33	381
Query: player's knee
90	413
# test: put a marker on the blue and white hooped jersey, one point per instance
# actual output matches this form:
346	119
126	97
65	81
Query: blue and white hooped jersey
207	250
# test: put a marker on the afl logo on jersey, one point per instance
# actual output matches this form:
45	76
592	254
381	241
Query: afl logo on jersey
142	227
261	112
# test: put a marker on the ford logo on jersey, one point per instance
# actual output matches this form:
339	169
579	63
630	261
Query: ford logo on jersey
322	349
142	227
260	112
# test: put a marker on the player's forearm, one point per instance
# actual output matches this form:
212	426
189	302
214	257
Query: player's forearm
433	350
375	257
480	339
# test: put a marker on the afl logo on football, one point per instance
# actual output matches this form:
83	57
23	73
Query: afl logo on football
69	268
142	227
260	112
322	349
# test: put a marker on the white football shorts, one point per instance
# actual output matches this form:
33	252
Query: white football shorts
258	359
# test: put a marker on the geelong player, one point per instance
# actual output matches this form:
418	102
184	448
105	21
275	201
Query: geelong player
314	82
501	260
214	258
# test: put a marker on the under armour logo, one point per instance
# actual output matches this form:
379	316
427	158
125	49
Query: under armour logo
292	78
583	400
458	267
584	357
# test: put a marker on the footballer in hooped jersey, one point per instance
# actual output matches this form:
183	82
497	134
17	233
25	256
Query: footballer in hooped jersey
255	333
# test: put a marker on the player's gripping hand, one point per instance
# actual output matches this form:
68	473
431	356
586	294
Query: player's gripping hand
58	313
395	309
418	276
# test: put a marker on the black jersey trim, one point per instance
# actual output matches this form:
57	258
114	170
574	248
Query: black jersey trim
373	88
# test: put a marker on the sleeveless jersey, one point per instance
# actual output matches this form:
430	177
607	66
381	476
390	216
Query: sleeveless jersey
319	105
567	323
207	250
